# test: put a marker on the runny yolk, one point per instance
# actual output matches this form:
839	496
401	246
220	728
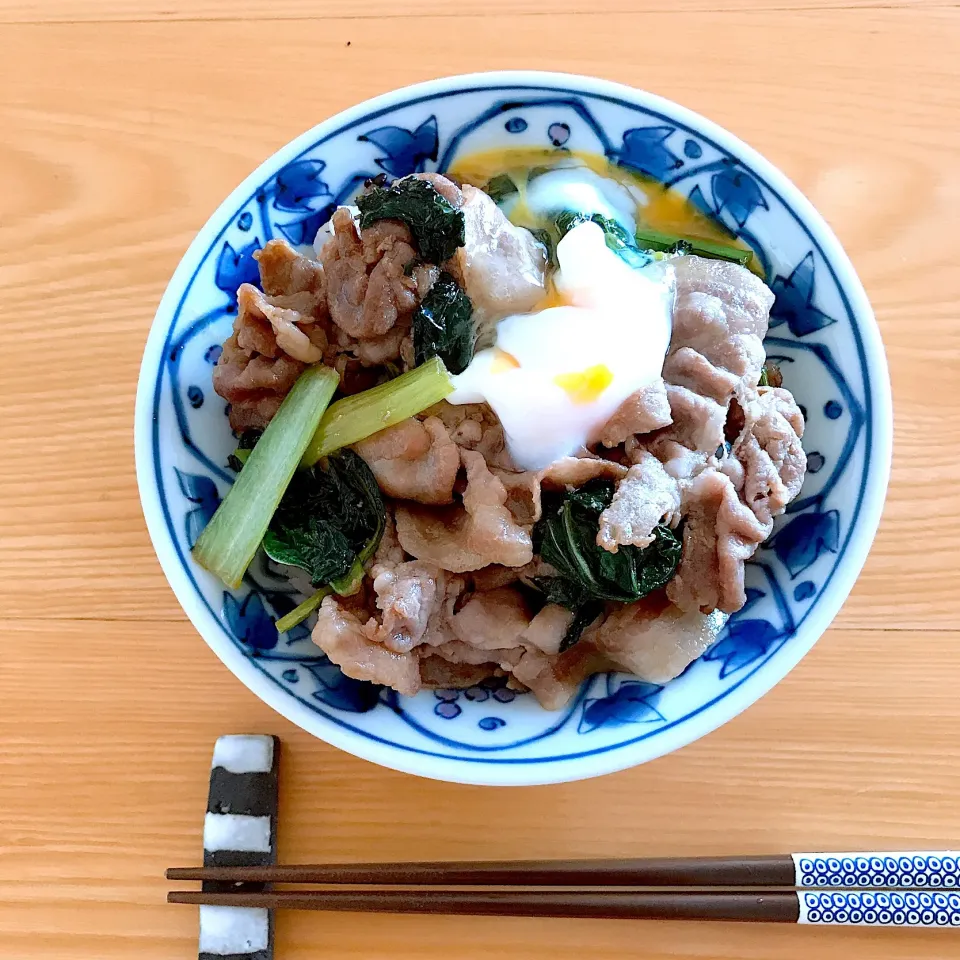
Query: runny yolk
587	385
503	361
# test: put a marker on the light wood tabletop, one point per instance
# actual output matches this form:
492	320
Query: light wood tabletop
124	123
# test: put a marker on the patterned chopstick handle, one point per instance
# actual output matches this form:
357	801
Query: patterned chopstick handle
870	908
928	870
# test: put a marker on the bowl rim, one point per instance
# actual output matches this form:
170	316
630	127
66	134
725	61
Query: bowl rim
551	770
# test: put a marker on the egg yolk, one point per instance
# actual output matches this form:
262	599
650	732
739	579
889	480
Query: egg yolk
587	385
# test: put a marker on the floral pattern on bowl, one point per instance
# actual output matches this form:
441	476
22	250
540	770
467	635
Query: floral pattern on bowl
822	334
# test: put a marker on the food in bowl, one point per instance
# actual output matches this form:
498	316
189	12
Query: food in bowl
554	438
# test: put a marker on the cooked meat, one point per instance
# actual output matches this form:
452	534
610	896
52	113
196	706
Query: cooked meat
456	651
555	680
469	537
413	460
493	620
720	533
285	314
349	644
656	642
367	288
645	410
500	266
643	498
547	629
408	596
769	451
437	672
698	421
524	489
284	272
254	384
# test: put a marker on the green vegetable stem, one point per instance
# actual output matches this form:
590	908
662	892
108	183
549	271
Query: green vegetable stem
355	418
669	243
617	237
228	543
437	228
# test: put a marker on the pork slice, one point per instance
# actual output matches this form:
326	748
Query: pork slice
284	271
285	315
644	410
460	539
547	629
524	490
554	681
349	644
769	452
720	534
698	421
368	289
500	267
492	621
642	499
408	595
440	673
656	644
413	460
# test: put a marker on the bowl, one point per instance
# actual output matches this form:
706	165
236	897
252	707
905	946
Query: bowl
822	332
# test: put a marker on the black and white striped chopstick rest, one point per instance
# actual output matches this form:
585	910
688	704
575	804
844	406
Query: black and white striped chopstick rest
240	830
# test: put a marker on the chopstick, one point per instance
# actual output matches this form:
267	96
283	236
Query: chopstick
775	907
801	870
873	889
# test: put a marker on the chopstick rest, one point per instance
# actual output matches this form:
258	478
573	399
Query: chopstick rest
240	830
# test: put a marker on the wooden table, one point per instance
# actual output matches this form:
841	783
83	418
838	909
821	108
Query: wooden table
124	122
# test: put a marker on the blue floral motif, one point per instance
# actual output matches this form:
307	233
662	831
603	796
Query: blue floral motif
559	133
338	690
794	301
645	150
249	621
515	125
744	641
298	185
245	221
736	193
406	151
235	267
290	675
629	703
203	492
800	543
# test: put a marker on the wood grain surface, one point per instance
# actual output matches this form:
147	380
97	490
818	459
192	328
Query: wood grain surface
124	123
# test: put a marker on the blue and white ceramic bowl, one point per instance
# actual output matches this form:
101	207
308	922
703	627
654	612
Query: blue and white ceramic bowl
822	333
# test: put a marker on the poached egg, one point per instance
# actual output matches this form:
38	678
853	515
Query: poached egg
556	375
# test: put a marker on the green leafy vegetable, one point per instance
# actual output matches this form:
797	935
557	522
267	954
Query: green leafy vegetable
617	237
229	541
355	418
764	379
442	326
587	575
500	187
669	243
329	521
248	440
437	228
771	375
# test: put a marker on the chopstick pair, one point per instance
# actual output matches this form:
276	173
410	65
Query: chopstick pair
916	889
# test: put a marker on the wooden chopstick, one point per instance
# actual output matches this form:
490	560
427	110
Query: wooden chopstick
876	870
771	871
773	907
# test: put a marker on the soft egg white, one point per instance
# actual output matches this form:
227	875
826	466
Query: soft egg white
556	375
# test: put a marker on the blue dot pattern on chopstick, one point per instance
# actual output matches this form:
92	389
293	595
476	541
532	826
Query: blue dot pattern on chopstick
915	908
885	870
